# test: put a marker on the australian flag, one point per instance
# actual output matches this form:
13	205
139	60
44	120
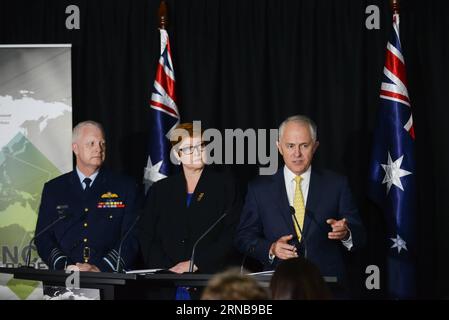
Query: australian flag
392	170
164	116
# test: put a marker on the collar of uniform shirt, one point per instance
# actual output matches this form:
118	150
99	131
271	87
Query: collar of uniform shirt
290	184
81	176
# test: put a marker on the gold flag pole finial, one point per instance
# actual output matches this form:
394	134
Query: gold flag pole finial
162	13
394	6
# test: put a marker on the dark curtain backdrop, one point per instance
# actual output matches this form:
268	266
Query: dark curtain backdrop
251	63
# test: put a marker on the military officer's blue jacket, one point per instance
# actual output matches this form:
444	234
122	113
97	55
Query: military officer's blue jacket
96	221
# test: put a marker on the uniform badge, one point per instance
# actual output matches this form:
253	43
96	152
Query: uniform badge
110	200
200	196
110	204
109	195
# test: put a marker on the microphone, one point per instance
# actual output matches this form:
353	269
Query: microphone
247	253
292	211
117	268
192	258
62	215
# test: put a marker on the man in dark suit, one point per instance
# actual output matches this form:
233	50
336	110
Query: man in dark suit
100	208
320	201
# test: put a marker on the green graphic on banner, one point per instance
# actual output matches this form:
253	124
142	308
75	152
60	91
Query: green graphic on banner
22	288
23	172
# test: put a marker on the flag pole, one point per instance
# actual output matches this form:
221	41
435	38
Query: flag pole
164	114
162	14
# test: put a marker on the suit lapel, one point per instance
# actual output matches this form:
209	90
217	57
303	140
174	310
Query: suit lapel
282	200
76	189
200	190
97	186
312	200
178	195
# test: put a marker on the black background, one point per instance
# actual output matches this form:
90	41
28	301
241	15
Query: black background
251	63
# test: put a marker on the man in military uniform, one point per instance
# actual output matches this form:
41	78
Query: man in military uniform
100	207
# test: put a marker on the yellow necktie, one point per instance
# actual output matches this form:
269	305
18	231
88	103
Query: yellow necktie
298	204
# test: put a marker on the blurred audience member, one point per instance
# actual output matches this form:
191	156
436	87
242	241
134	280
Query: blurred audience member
298	279
231	285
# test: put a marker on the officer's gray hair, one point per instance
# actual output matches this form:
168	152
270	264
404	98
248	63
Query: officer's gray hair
77	129
302	120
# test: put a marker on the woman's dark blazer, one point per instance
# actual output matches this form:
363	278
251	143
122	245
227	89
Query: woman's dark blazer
169	229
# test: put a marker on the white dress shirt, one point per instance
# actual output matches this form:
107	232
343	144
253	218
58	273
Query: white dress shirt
81	176
290	184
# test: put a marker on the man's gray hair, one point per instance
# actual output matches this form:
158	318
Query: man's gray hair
302	120
77	129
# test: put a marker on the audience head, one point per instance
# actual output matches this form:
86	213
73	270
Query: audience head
231	285
298	279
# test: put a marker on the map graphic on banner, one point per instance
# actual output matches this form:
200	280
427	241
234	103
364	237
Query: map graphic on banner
35	145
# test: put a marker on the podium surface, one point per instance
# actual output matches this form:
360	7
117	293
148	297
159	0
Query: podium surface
126	286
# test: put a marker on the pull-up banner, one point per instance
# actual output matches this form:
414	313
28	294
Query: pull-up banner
35	144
